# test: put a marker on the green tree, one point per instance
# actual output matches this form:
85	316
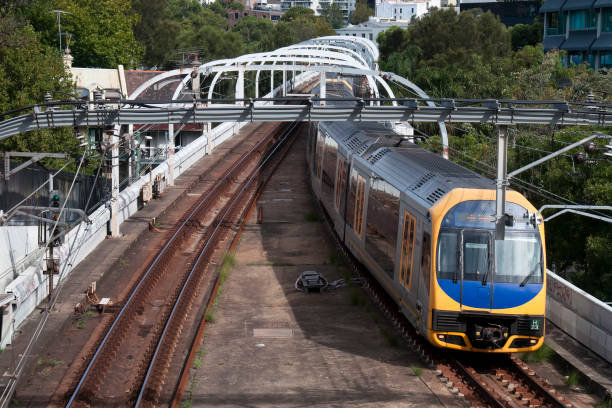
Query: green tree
102	32
157	31
450	54
526	34
253	30
297	24
333	15
295	12
28	70
361	13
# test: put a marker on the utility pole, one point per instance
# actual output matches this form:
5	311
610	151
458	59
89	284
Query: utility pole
59	25
501	182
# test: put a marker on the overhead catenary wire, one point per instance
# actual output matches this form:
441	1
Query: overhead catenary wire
5	397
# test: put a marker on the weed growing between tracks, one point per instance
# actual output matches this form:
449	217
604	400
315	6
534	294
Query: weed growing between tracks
571	380
544	353
312	216
229	261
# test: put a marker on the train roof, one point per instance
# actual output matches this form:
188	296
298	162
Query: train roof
413	170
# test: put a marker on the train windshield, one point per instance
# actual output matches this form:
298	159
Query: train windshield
518	258
467	249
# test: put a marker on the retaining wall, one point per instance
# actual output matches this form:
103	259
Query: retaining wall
582	316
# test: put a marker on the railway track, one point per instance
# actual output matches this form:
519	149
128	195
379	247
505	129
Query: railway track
486	380
129	366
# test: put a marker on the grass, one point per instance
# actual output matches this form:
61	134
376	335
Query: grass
356	298
197	363
572	378
336	258
390	337
312	217
81	324
201	352
1	351
51	363
210	317
122	262
186	404
229	261
417	371
89	313
544	353
604	404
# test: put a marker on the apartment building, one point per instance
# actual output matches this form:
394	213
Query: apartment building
583	28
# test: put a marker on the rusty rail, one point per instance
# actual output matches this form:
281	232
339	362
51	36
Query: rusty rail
117	330
164	348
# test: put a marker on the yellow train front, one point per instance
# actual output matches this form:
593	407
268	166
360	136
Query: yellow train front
487	295
424	227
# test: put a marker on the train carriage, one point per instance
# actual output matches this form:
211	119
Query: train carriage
424	226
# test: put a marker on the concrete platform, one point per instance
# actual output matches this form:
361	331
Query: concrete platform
272	346
594	368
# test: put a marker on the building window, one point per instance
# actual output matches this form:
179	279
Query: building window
575	58
556	24
606	20
579	57
605	59
583	20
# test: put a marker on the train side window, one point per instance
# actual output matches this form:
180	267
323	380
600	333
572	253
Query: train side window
352	193
447	255
329	169
359	205
320	146
340	184
382	224
426	259
407	254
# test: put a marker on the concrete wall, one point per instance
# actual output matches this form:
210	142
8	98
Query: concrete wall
21	261
582	316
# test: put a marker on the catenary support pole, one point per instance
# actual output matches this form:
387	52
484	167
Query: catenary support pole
501	182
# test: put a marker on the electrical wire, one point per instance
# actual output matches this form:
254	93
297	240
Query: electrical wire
39	187
12	383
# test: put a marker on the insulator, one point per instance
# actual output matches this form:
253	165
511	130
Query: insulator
579	157
590	147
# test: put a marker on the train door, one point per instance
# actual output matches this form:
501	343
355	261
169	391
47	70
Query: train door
476	265
355	204
407	252
422	305
340	188
359	205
